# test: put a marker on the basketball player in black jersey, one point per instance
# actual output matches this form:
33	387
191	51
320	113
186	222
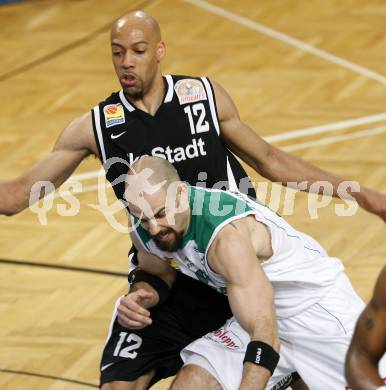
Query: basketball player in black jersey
193	123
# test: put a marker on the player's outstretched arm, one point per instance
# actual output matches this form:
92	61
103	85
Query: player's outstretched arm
156	266
369	342
73	145
250	295
150	284
277	165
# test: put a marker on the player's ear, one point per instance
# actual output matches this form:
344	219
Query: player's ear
178	196
182	197
161	50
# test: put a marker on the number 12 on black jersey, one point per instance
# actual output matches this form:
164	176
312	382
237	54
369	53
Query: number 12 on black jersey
197	110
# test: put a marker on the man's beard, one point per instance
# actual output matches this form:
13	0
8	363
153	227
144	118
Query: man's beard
135	95
172	245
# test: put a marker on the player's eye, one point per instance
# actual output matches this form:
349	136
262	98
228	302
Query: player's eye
161	214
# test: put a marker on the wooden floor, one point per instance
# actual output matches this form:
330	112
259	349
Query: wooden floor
288	65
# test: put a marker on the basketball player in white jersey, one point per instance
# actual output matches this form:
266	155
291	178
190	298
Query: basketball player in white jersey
138	50
279	281
366	358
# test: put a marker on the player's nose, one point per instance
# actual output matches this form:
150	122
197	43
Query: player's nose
154	228
128	60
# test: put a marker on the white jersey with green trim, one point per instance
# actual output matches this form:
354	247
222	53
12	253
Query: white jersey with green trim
300	270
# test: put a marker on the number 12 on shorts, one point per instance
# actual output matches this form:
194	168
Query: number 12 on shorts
129	351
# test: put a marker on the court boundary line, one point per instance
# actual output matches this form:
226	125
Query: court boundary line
282	37
325	128
62	267
289	148
52	377
335	139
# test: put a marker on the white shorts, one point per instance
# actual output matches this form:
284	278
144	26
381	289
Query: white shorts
313	343
382	367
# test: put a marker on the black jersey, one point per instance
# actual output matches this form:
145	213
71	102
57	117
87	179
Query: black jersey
185	130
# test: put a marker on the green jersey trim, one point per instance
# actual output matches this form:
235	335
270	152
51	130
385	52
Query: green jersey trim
210	211
211	208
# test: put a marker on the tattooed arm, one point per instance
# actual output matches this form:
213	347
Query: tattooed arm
369	341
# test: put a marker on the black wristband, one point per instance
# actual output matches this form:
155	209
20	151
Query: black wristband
262	354
162	288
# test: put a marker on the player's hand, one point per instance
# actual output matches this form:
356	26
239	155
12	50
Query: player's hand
374	202
131	310
254	377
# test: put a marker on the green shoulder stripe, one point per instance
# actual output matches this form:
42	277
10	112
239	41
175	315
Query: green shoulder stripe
210	209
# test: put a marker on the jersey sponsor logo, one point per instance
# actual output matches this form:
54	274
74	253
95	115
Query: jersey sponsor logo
114	114
226	338
132	158
193	150
189	90
178	154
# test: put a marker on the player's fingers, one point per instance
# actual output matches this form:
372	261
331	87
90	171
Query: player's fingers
144	294
130	324
134	319
140	296
129	303
137	308
133	315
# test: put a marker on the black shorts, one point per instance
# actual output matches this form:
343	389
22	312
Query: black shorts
191	310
